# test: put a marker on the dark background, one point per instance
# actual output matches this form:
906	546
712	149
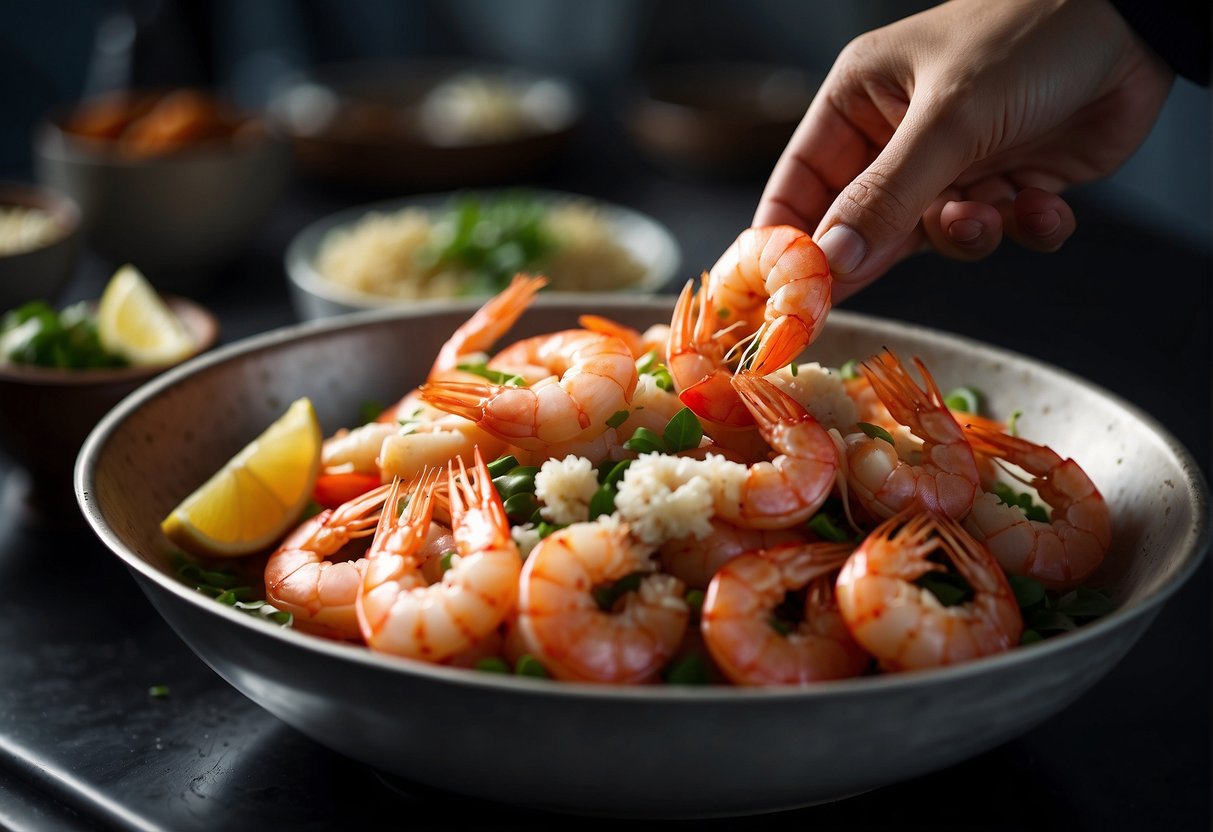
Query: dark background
1125	304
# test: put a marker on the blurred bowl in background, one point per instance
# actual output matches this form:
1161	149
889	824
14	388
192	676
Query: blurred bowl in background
39	243
47	412
174	182
424	124
717	117
613	249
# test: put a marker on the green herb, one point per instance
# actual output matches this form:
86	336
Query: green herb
644	441
615	473
823	525
691	669
1013	421
520	480
1030	637
1028	591
495	376
158	691
520	507
227	588
1085	603
948	588
665	381
647	362
1008	496
694	599
876	432
1045	620
617	418
35	334
544	528
683	432
607	594
491	664
964	399
849	370
502	465
490	239
794	368
603	502
528	665
444	562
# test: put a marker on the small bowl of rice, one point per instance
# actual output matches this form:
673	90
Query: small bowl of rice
470	244
39	242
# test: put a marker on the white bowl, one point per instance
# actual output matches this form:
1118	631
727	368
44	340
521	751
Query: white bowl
646	750
314	296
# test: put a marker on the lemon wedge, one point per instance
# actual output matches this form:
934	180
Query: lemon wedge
257	495
135	322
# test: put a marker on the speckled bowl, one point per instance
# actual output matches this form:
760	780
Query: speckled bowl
638	751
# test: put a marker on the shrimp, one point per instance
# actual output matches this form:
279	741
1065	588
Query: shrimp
945	479
399	612
590	378
695	560
301	578
789	489
740	608
1059	553
696	352
652	340
562	624
905	626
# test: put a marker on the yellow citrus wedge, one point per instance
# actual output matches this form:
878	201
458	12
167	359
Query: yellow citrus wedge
257	495
135	322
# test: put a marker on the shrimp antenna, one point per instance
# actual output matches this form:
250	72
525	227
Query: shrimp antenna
747	347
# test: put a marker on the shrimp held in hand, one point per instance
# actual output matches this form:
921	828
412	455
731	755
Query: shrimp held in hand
562	624
904	625
1061	552
739	612
401	613
944	480
589	378
301	579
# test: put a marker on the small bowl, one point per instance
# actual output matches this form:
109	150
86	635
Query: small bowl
717	117
48	412
177	215
314	296
40	271
372	125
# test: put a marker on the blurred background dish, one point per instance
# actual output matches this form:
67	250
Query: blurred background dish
174	181
425	123
470	243
717	117
39	242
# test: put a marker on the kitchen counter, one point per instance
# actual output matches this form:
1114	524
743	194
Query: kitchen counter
85	744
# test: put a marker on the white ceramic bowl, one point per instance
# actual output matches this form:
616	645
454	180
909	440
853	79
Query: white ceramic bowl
647	750
649	242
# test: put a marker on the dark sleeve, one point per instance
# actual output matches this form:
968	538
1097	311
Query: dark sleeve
1178	30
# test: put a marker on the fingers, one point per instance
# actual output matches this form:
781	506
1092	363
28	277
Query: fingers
1039	220
963	229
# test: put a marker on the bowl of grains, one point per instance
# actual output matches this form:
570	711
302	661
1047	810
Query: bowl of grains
39	241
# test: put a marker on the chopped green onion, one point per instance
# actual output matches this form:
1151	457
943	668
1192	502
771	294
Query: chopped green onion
824	527
495	376
544	528
617	418
964	399
1084	602
528	665
647	362
694	599
491	664
661	375
1013	422
1028	591
444	562
948	588
849	370
1046	620
691	669
1030	637
502	465
520	507
608	594
683	432
794	368
521	480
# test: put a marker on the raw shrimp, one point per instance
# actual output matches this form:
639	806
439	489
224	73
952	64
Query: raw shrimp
945	479
740	607
789	489
562	624
905	626
300	577
1059	553
695	560
589	378
400	612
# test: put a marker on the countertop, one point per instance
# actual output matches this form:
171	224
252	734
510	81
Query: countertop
83	744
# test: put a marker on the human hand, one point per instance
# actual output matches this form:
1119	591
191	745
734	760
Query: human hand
954	127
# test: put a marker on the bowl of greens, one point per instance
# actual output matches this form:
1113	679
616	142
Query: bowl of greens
62	369
469	244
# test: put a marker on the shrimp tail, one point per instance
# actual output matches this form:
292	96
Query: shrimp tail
780	343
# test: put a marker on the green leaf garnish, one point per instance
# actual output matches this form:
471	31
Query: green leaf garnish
617	418
822	525
644	441
520	480
948	587
615	474
964	399
495	376
444	562
1009	496
603	502
491	664
520	507
1084	602
683	432
691	669
1028	591
1030	637
502	465
528	665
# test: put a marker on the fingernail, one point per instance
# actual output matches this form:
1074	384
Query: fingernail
1043	223
965	231
843	248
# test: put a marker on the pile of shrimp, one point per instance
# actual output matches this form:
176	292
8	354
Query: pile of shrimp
754	593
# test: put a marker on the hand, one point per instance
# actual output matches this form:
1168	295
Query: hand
953	127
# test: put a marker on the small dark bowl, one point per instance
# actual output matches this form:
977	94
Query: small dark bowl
361	124
46	413
717	117
39	273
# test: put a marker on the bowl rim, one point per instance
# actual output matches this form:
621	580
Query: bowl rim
299	255
1195	544
202	322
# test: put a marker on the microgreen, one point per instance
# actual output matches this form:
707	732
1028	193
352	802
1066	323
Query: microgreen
495	376
876	432
964	399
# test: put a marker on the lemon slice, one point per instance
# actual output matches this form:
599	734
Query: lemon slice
134	322
257	495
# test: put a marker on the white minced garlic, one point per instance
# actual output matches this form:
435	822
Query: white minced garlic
820	391
666	497
565	487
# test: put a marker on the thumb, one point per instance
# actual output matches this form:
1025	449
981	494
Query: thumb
873	222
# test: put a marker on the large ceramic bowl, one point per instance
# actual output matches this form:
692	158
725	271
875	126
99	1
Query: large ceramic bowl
638	751
649	243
